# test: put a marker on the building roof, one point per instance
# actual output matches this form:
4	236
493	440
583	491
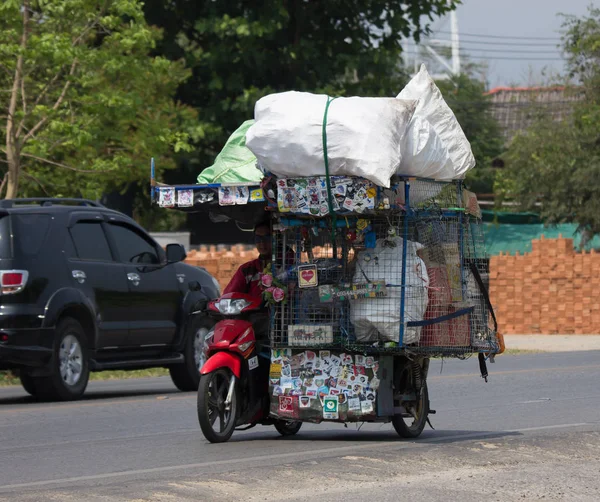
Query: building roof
516	108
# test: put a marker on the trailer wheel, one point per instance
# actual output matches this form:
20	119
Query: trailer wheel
411	425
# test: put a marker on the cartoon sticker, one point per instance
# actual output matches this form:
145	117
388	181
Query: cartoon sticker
226	196
307	276
166	197
185	198
241	195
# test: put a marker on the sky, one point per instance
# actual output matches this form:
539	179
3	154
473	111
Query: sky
489	31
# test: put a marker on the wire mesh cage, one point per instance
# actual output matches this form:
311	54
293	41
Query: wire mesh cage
407	276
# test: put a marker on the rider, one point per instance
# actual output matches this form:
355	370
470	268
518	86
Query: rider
247	278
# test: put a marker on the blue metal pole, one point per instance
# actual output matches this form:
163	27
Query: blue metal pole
404	253
152	179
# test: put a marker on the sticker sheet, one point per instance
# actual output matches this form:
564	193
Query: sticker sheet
317	385
309	195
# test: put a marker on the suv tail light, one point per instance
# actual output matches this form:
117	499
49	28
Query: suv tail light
13	281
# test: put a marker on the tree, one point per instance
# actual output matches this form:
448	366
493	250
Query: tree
240	51
86	105
466	97
554	167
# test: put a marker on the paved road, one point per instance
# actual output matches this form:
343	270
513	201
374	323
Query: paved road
532	431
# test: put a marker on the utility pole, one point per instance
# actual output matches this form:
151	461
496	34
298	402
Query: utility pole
446	53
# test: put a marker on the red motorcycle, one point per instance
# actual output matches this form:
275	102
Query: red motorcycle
234	378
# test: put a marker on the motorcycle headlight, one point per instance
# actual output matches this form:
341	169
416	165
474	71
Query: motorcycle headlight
231	307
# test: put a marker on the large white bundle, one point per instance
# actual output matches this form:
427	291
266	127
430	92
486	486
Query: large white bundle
432	108
365	136
379	319
425	155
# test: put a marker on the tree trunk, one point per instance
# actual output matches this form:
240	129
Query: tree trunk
14	163
13	154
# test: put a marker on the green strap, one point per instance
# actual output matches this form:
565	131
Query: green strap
327	178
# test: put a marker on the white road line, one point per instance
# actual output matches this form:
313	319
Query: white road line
335	451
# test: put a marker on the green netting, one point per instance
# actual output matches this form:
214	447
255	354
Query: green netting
235	163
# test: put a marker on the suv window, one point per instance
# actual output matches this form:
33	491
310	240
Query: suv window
5	249
90	241
29	232
132	247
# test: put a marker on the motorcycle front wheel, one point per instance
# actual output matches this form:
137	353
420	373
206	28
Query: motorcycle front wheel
217	418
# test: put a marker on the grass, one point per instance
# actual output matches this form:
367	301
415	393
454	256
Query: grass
8	378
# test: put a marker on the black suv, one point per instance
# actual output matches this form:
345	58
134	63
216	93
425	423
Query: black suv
84	288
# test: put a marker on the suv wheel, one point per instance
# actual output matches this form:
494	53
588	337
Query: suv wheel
69	364
186	376
28	383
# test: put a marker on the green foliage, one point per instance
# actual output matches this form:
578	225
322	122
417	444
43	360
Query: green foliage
240	51
554	167
92	102
466	96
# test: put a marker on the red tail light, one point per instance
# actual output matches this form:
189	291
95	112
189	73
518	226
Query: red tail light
13	281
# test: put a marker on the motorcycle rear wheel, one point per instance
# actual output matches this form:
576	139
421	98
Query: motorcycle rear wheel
212	412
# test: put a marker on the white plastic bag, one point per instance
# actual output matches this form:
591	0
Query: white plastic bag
365	136
432	108
377	319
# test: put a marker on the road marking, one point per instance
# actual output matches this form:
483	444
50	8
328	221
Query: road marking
514	372
296	455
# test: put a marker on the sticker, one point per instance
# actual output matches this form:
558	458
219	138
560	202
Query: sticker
369	361
286	371
278	391
309	334
310	357
343	383
286	382
340	190
297	383
360	360
370	396
288	406
295	392
335	371
226	196
334	392
348	204
274	381
362	379
347	359
241	195
305	401
275	370
312	392
257	195
366	407
185	198
342	398
324	354
332	382
323	391
166	197
354	404
307	276
374	383
330	408
253	362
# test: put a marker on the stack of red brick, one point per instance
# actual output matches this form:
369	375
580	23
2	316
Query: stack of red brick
552	290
